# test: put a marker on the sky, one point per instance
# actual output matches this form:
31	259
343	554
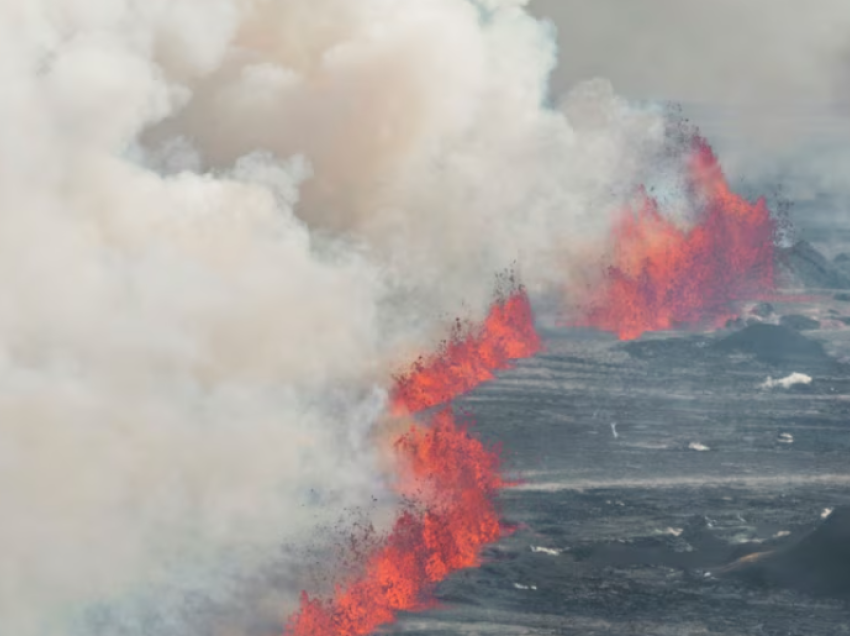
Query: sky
767	80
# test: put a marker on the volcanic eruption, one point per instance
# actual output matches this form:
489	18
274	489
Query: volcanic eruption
449	480
663	276
224	223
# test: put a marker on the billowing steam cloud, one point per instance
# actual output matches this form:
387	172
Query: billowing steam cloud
222	224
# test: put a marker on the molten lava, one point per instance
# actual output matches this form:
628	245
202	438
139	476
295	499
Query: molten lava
449	480
663	276
453	479
470	356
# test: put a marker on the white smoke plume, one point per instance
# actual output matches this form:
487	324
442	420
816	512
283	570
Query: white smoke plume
222	223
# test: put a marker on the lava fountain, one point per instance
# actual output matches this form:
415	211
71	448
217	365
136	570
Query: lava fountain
448	478
451	516
662	276
470	355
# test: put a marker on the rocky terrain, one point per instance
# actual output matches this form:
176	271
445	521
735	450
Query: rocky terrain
682	484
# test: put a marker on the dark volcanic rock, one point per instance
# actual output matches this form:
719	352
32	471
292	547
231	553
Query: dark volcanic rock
762	310
673	350
808	267
740	322
735	323
621	529
773	344
819	563
799	323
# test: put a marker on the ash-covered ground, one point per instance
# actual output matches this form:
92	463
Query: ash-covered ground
669	487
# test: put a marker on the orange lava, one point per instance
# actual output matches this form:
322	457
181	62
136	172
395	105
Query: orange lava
453	479
470	356
663	276
448	478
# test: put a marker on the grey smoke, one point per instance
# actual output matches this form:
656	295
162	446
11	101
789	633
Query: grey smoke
766	58
767	80
222	225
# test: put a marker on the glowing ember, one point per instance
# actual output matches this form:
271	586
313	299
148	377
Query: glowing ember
470	356
663	276
452	478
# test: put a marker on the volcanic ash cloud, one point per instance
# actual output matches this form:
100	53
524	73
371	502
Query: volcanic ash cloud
222	225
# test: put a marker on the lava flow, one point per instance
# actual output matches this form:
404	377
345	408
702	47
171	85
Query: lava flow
470	356
663	276
448	478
